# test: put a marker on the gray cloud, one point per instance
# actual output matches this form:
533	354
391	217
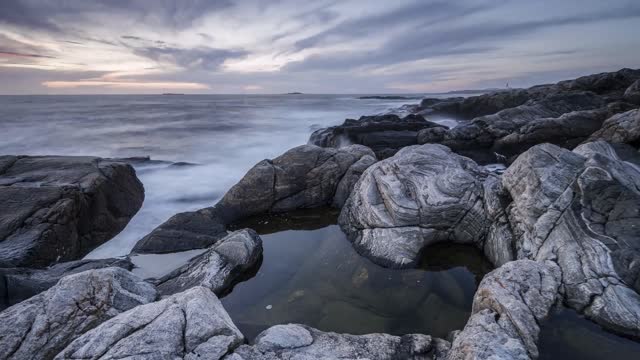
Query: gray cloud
196	58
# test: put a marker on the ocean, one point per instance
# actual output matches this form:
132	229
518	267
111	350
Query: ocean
224	135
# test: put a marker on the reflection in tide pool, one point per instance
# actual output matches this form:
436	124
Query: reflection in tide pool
312	275
567	335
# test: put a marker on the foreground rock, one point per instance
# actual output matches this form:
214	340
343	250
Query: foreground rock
42	326
301	342
384	134
421	196
188	325
184	231
219	267
59	208
508	307
306	176
17	284
581	209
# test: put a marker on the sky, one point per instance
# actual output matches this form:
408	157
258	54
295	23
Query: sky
322	46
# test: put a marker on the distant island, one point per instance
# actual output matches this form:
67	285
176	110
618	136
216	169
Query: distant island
386	97
172	94
294	93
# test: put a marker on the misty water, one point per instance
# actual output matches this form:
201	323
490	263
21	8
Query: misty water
224	134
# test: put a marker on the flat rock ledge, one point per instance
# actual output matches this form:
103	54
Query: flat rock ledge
384	134
293	341
189	325
58	208
40	327
219	268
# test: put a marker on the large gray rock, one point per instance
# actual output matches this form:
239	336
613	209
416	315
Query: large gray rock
301	342
514	130
304	177
422	195
508	307
474	106
17	284
188	325
384	134
581	210
59	208
45	324
184	231
621	128
220	267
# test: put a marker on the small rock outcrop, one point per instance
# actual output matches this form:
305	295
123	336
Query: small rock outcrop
39	328
295	341
384	134
306	176
58	208
508	307
17	284
581	210
219	267
420	196
622	128
632	94
184	231
188	325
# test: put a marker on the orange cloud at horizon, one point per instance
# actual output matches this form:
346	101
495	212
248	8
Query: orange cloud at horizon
126	84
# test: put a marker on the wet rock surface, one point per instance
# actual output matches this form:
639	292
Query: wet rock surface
58	208
18	284
295	341
219	267
188	325
384	134
40	327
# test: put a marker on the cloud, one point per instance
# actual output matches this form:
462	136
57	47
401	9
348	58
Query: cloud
133	84
195	58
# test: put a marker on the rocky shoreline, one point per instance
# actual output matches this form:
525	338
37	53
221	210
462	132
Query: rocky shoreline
560	225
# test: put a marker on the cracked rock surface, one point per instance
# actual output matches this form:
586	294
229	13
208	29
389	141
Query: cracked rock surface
508	307
621	128
302	342
40	327
58	208
219	267
188	325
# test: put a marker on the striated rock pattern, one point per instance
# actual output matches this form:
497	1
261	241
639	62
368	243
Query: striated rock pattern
57	208
508	307
188	325
17	284
301	342
420	196
184	231
632	94
384	134
304	177
219	267
42	326
581	209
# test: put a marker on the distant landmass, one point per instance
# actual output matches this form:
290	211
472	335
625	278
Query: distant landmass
386	97
172	94
294	93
